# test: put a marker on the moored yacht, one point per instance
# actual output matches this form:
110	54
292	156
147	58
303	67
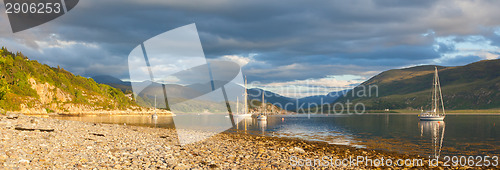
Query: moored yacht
437	113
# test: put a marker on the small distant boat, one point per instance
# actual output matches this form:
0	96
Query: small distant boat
262	118
154	116
437	101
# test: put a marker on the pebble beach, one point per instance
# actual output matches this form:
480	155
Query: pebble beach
42	143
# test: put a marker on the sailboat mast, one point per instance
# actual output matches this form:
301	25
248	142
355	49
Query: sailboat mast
246	98
237	105
435	92
440	92
263	103
433	95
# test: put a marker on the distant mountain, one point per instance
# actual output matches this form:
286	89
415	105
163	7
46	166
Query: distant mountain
293	104
147	97
473	86
105	79
283	102
125	87
328	98
27	86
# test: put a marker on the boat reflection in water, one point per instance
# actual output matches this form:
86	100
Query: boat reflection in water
154	120
250	125
262	124
241	122
434	129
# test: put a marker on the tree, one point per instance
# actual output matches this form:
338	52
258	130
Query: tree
128	91
4	88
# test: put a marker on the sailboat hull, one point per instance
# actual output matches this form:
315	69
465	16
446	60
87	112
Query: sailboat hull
262	118
431	118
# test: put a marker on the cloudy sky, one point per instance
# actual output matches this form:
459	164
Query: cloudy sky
289	46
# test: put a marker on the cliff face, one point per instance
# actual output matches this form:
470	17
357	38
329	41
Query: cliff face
47	92
53	99
27	86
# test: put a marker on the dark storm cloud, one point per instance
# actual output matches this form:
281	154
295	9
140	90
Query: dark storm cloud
292	39
445	48
495	38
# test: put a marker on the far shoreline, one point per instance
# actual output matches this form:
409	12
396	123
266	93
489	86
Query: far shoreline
368	112
91	114
404	111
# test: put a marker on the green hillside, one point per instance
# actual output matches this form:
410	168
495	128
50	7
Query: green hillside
473	86
28	86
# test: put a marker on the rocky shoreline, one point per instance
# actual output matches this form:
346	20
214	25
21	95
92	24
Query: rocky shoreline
94	113
34	142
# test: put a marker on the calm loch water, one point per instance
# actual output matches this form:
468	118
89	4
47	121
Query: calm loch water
460	135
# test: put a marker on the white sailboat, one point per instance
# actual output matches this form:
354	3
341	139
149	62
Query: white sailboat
154	116
245	109
437	100
263	116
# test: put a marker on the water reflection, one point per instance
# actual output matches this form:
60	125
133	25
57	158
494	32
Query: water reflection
434	129
466	134
154	119
262	124
162	121
250	125
308	127
241	122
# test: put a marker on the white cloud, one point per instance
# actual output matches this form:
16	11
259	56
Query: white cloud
471	45
241	60
487	55
325	82
62	44
311	87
